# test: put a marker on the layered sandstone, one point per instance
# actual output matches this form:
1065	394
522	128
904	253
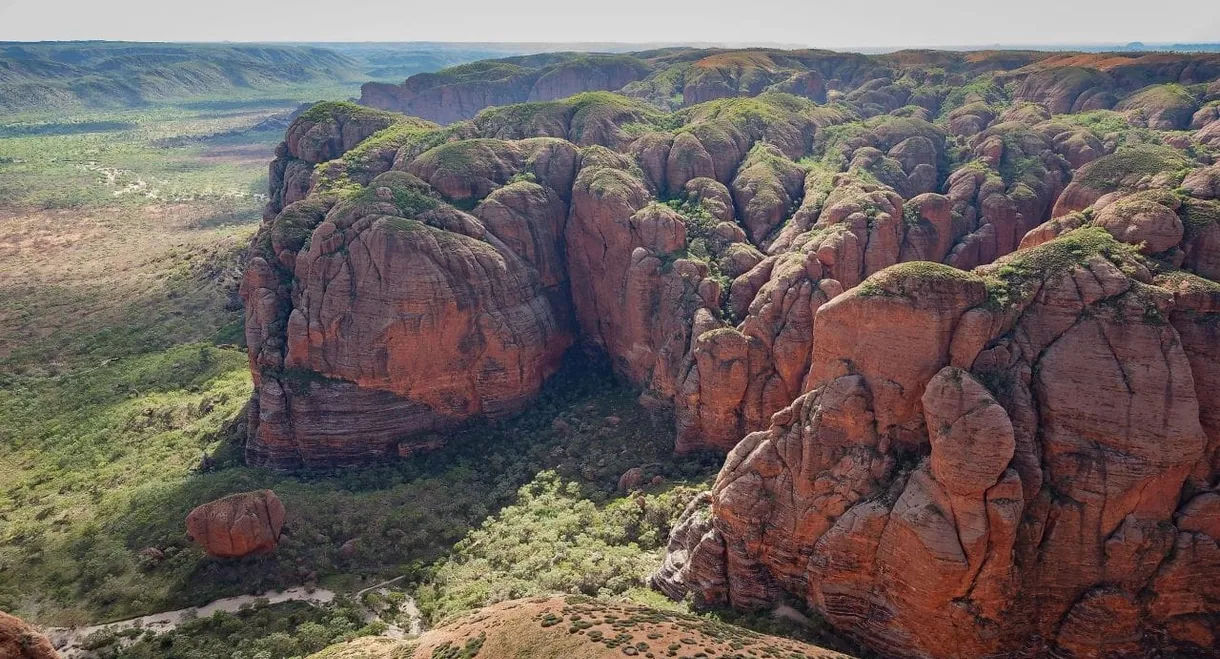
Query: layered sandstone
322	133
960	348
495	253
987	463
335	341
539	228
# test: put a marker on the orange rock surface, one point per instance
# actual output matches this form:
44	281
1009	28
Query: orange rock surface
962	357
238	525
930	515
18	640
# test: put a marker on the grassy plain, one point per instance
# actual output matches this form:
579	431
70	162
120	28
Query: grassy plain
120	237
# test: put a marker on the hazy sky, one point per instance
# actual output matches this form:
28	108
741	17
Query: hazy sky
837	24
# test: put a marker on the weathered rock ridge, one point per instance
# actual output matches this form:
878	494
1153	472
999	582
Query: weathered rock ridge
695	257
1008	462
1150	88
968	334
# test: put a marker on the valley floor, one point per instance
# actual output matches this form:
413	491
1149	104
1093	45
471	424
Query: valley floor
81	641
121	368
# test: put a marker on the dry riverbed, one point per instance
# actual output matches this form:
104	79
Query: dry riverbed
73	641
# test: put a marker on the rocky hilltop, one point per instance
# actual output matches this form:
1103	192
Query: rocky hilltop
962	309
578	626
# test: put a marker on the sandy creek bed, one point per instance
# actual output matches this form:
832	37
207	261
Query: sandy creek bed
68	640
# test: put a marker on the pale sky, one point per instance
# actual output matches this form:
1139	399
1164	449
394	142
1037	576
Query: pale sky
833	24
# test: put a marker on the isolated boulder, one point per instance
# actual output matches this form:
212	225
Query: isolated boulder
631	480
238	525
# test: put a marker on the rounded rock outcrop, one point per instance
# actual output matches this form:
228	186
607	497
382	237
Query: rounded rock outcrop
19	640
1143	222
238	525
971	435
969	444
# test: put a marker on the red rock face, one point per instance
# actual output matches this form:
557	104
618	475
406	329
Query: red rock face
932	515
740	376
970	409
342	378
325	132
238	525
557	243
629	302
18	640
562	245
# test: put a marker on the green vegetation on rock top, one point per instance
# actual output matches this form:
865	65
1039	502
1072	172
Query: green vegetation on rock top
1010	278
345	110
1197	215
1183	281
1132	162
985	89
481	71
893	280
761	110
1161	96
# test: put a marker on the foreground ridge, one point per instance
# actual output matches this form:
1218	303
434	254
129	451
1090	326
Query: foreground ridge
580	627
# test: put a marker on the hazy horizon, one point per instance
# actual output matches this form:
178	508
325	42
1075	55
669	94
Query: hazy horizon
884	24
640	45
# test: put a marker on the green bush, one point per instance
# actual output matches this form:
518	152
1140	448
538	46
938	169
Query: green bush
280	631
559	536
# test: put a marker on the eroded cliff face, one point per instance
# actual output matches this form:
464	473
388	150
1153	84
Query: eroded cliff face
377	314
961	350
1014	460
696	258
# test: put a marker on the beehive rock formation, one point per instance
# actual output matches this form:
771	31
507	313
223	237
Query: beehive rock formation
960	349
1016	474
